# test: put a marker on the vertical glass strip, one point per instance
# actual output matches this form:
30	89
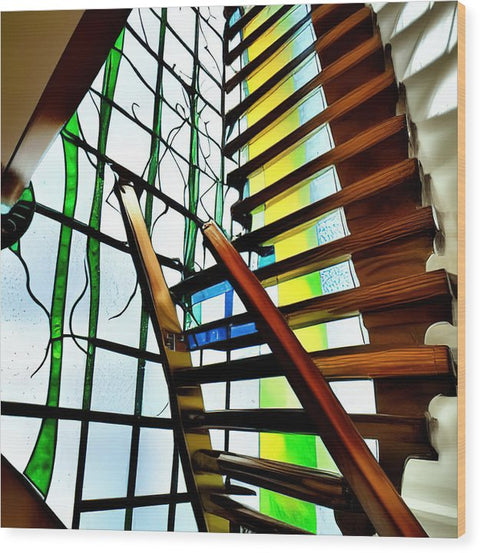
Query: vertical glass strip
144	317
193	170
40	466
93	254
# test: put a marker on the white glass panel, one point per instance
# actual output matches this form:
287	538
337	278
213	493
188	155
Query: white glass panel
103	520
356	396
19	435
155	392
153	518
214	396
155	455
62	489
106	467
185	519
114	382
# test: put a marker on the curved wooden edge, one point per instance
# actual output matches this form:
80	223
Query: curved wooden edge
82	59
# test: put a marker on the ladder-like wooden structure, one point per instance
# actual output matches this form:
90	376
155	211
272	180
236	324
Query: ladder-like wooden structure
391	237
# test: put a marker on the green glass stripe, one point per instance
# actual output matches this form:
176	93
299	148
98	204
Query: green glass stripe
40	466
193	181
219	202
93	245
151	177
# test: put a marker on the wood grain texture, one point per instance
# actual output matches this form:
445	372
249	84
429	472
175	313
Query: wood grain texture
313	485
377	495
356	362
372	90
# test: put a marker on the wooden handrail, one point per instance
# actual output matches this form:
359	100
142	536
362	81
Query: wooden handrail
377	495
167	330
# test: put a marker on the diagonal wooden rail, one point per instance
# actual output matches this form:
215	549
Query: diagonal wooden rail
377	495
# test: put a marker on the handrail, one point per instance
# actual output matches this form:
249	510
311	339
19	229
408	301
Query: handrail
377	495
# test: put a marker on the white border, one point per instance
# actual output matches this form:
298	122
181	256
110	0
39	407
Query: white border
51	541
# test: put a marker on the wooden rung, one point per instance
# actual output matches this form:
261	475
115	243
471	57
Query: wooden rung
328	74
230	32
362	142
366	49
248	518
338	109
325	41
376	297
357	362
386	428
381	181
364	299
308	484
254	35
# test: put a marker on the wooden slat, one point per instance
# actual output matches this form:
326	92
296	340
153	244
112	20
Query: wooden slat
384	427
360	95
353	147
403	173
371	187
254	35
323	42
378	497
308	484
246	517
328	74
365	189
242	21
364	299
356	56
418	223
405	290
404	325
357	362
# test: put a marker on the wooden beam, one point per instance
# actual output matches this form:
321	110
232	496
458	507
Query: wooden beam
357	362
366	49
248	518
82	59
364	93
377	495
308	484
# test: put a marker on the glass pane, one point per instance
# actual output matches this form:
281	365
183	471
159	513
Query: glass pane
106	468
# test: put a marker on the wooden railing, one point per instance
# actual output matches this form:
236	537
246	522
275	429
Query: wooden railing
390	237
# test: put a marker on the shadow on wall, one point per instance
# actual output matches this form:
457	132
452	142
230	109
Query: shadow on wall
423	36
